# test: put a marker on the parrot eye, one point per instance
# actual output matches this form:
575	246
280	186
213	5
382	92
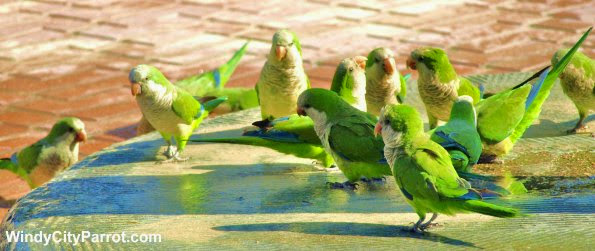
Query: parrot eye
70	129
290	44
306	106
386	121
350	68
377	60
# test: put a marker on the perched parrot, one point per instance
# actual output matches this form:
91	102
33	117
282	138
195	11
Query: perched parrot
282	77
459	136
578	83
349	81
423	170
347	134
295	134
40	162
212	84
169	109
438	83
384	83
503	118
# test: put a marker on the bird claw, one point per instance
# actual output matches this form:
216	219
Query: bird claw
173	159
344	185
579	129
490	159
374	180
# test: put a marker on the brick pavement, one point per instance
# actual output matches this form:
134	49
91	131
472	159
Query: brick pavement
69	57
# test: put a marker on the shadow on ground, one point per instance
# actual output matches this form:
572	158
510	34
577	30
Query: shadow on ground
344	228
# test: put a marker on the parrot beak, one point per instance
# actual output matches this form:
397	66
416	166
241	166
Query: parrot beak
360	61
81	136
300	111
389	65
377	129
280	52
135	89
411	63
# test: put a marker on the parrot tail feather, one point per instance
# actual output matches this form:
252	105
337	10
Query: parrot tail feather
224	72
10	165
481	207
212	104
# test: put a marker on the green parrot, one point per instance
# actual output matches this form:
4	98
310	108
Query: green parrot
347	134
168	108
438	83
212	84
349	81
40	162
578	83
459	135
295	134
423	170
384	83
282	77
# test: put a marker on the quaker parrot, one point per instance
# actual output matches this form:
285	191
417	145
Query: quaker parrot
295	134
347	134
40	162
384	83
578	83
168	108
459	135
423	170
438	83
282	77
212	83
349	81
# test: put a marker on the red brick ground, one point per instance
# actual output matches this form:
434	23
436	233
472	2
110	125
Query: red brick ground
70	57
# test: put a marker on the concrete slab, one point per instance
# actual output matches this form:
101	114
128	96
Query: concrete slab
243	197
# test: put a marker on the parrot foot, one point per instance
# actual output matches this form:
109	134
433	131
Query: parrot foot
579	129
344	185
171	151
490	159
429	223
173	159
374	180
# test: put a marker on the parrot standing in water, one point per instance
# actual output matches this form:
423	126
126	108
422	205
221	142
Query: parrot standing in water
282	77
501	118
423	170
438	83
295	134
40	162
459	135
212	84
384	83
347	134
578	83
173	112
460	138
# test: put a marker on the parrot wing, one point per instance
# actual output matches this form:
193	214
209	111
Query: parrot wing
353	139
186	106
